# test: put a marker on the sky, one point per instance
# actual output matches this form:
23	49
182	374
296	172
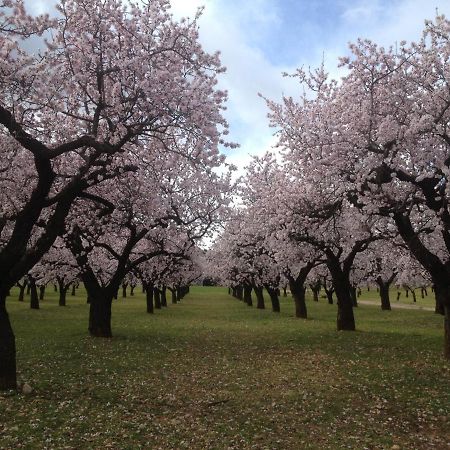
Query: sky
261	39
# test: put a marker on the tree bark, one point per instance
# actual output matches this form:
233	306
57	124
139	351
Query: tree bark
259	297
62	292
22	288
132	286
341	282
34	299
100	316
157	298
8	372
149	289
41	292
74	288
248	294
164	297
174	296
384	296
274	298
124	290
353	296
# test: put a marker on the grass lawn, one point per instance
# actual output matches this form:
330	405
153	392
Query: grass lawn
212	373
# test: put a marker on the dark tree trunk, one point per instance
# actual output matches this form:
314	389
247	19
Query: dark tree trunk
229	291
259	297
274	298
149	289
124	290
41	292
100	316
298	293
384	296
384	286
174	296
329	293
55	287
164	297
8	373
28	289
62	296
248	295
74	289
341	283
157	297
132	286
34	299
240	292
439	306
22	288
285	291
447	331
399	294
353	296
315	294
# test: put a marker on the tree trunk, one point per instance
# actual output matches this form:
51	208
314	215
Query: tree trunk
164	297
329	294
100	316
174	296
239	292
274	298
8	373
384	296
41	292
34	299
353	296
298	293
438	307
447	331
259	297
55	287
74	288
248	295
341	283
22	288
149	298
315	294
285	291
124	290
157	297
132	290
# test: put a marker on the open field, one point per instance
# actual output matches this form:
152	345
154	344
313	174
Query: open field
212	373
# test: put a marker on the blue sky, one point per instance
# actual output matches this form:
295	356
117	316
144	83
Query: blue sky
260	39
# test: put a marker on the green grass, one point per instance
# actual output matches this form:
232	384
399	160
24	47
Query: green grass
212	373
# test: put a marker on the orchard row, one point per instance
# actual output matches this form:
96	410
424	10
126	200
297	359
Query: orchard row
358	190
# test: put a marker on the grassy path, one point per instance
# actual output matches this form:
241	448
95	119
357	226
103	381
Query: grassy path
212	373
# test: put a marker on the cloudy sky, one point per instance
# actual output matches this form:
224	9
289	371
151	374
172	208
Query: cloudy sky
261	39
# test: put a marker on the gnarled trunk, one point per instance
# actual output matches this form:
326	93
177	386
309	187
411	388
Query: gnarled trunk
298	294
34	299
41	292
341	283
248	294
164	297
157	297
274	298
8	373
100	315
149	289
259	297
